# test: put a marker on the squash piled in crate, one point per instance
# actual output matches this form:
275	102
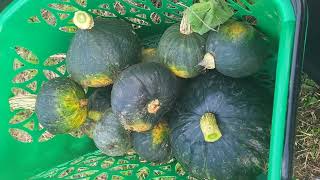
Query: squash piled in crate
181	53
219	128
61	106
184	99
236	50
101	49
153	145
110	136
143	94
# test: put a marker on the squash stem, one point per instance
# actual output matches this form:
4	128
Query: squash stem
209	127
153	106
23	102
83	102
208	61
83	20
185	27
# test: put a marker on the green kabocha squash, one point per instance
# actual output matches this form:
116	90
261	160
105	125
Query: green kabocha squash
98	103
181	53
110	136
101	50
153	145
61	105
143	94
220	128
236	50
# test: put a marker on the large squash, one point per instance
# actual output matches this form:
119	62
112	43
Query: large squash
143	94
110	137
101	50
181	53
153	145
220	128
61	105
98	103
236	50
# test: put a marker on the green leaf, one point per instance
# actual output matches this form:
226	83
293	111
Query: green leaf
208	14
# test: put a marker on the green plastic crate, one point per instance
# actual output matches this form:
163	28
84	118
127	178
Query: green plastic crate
33	31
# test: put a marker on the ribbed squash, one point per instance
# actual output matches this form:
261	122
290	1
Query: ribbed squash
236	50
61	105
143	94
220	128
181	53
101	50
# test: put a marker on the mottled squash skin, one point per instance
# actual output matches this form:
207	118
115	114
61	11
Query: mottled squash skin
153	145
239	50
61	105
181	53
110	137
143	94
98	103
97	56
243	114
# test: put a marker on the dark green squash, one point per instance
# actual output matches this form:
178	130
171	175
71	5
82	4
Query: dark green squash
110	137
153	145
181	53
98	103
236	50
61	105
99	53
220	128
143	94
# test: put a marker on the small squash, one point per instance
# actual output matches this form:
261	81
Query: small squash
143	94
181	53
153	145
61	105
110	137
236	50
100	50
220	128
98	103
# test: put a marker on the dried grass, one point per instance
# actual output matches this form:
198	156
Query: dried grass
307	155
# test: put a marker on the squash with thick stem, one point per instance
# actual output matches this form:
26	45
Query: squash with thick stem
143	94
101	49
220	128
236	50
61	105
181	53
